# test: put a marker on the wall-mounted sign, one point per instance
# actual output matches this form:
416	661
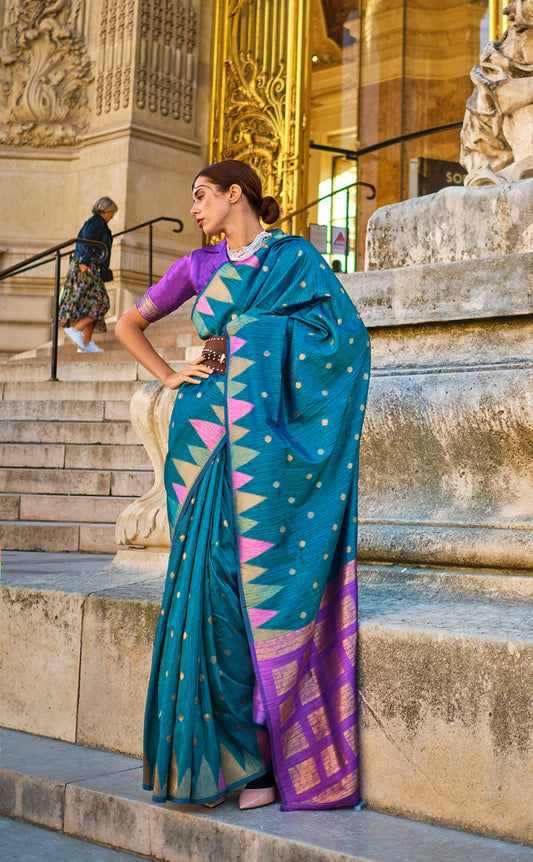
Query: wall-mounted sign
339	240
318	236
430	175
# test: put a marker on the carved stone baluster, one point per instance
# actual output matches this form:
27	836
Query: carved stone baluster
144	522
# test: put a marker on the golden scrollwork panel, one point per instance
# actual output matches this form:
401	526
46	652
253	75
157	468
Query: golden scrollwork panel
261	63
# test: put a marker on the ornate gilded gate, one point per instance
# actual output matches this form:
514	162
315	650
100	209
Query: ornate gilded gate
260	91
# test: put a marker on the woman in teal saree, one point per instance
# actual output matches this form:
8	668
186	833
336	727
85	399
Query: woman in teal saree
253	681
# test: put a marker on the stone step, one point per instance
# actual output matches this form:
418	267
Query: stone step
66	411
105	370
96	457
109	433
118	483
93	538
96	796
445	678
32	455
69	390
9	507
117	353
172	332
53	507
27	843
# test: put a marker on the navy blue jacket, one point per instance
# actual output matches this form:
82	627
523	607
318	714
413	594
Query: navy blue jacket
95	228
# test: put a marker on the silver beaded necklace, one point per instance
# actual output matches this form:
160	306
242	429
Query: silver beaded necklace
250	249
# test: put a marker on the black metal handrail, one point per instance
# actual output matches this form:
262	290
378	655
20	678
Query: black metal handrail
37	259
400	139
346	189
149	225
43	258
370	197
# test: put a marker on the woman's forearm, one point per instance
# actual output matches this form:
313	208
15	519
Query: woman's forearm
130	332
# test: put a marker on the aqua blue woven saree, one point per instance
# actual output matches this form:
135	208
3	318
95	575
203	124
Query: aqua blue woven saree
255	651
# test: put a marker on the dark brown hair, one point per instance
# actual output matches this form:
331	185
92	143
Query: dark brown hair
230	171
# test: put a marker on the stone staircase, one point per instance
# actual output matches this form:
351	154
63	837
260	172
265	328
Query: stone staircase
79	793
70	459
443	724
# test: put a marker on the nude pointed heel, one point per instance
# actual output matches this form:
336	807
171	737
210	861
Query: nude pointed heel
250	798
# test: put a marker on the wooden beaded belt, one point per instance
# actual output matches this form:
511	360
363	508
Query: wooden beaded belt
215	353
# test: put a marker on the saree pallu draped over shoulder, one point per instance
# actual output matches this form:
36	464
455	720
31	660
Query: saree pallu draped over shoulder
255	652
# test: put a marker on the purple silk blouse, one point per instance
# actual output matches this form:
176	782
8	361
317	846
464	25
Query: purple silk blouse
185	278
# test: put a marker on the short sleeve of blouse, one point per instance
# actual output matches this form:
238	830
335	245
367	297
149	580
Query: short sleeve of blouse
175	288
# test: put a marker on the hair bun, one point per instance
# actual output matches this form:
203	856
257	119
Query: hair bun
269	210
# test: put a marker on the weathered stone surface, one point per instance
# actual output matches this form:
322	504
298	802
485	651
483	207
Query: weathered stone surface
40	655
445	671
453	224
107	433
442	736
67	390
26	309
51	507
97	538
32	536
116	410
455	478
30	481
13	335
463	291
9	507
66	411
116	651
127	483
105	457
32	455
32	798
452	345
141	559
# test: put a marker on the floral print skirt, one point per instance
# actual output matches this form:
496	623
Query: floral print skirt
84	295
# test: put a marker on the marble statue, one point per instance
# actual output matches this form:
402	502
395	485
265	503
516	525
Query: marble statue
497	134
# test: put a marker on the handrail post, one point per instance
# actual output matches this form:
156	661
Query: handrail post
347	217
55	330
150	249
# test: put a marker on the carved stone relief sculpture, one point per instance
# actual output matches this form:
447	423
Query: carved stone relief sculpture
167	58
115	55
497	135
44	73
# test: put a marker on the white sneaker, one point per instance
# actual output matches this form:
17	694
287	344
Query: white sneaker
92	348
75	335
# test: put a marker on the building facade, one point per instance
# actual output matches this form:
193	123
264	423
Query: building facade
358	103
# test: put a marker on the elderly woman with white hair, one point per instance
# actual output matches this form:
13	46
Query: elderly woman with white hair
85	302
